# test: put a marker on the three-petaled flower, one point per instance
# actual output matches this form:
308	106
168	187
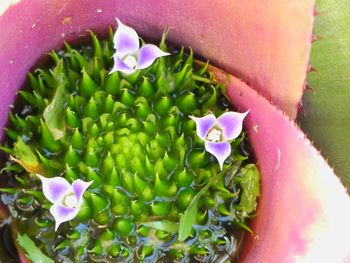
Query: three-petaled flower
66	197
129	57
217	132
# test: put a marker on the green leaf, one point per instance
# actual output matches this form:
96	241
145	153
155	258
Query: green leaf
251	188
165	225
54	113
32	251
9	190
26	157
188	218
326	106
244	226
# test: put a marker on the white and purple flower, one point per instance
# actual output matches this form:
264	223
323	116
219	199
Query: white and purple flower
129	57
66	197
217	132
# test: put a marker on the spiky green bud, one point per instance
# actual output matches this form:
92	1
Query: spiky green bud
87	85
123	226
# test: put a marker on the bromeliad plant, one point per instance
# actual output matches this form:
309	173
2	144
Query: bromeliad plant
124	159
298	219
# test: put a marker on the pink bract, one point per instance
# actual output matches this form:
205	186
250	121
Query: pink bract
304	211
266	43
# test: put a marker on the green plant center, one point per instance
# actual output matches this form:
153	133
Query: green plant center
132	136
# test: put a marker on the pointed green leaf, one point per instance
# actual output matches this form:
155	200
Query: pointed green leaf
165	225
32	251
326	106
188	218
54	113
26	157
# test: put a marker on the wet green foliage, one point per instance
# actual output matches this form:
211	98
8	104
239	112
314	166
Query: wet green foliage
32	251
157	193
251	188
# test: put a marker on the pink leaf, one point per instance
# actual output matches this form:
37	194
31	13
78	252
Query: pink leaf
304	210
266	43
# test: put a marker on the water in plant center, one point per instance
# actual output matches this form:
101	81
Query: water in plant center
156	195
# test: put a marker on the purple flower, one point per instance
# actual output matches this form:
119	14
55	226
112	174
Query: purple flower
129	57
66	198
216	132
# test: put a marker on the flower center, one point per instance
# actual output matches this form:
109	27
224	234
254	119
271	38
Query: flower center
214	135
70	201
130	61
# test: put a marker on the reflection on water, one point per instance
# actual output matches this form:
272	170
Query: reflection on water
8	251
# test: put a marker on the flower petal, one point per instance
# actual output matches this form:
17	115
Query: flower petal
203	125
54	188
231	124
62	214
148	54
126	41
119	65
221	150
79	187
